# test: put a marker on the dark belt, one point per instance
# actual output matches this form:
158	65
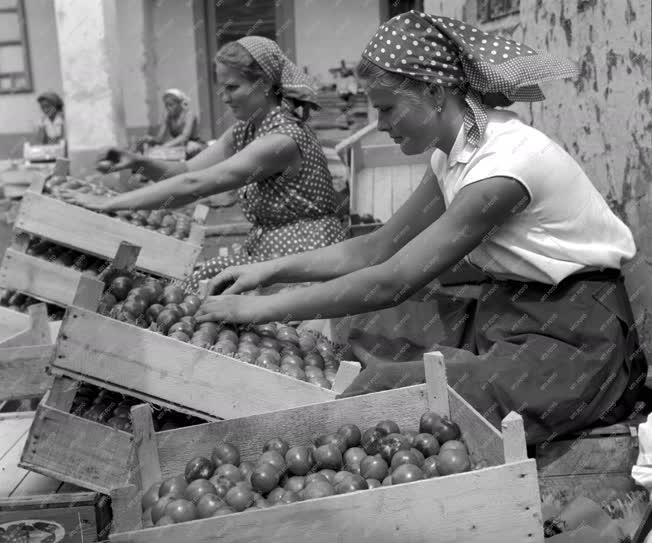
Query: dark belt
608	274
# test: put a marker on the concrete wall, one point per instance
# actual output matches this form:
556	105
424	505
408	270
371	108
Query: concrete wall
327	32
603	118
19	113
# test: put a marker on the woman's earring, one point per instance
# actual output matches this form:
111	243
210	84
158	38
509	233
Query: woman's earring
438	109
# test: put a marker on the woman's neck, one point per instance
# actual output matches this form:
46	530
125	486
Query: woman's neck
259	116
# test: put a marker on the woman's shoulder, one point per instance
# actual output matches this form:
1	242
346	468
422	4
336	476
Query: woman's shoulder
506	133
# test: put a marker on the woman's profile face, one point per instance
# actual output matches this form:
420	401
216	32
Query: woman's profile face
47	108
410	120
244	98
172	105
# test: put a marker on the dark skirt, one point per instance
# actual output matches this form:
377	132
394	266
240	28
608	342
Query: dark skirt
564	356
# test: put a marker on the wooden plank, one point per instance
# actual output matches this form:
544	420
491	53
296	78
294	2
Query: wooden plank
88	293
36	333
99	235
127	511
62	393
382	199
364	193
148	464
23	371
152	364
78	451
514	437
374	156
14	432
485	443
38	277
470	507
11	322
346	373
126	256
587	456
436	383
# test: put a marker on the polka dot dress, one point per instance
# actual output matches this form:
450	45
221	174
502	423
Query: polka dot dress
451	53
290	214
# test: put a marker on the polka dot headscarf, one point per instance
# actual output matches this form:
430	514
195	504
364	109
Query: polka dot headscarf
451	53
280	70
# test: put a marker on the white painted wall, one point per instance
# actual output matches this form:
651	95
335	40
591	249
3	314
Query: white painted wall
20	113
328	31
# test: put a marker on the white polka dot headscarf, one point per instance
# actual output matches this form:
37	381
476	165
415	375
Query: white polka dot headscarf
449	52
281	70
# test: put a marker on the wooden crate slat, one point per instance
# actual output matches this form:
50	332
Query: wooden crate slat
35	484
12	322
439	510
149	363
37	331
38	277
78	451
22	371
96	234
594	455
14	432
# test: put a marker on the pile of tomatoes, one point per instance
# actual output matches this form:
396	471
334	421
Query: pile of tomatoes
17	301
47	250
344	461
278	347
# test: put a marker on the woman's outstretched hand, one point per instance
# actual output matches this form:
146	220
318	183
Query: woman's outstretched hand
233	309
238	279
115	160
90	201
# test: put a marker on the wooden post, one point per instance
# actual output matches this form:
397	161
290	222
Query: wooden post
436	384
125	505
147	462
346	373
89	293
513	438
39	324
62	393
125	256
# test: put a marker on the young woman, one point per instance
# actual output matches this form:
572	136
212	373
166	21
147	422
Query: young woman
51	128
180	126
270	154
551	336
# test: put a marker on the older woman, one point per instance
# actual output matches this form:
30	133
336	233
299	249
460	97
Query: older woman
51	128
180	126
270	155
551	335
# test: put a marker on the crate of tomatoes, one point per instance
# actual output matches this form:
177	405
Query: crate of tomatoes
414	464
171	240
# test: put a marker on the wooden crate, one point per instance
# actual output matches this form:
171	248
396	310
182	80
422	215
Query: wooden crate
74	514
499	502
25	355
596	464
100	235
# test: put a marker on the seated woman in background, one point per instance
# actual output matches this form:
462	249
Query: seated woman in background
180	127
51	128
270	155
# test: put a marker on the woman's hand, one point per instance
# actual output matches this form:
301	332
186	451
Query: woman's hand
233	309
116	159
237	279
85	199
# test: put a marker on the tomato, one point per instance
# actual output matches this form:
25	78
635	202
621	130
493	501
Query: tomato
351	433
174	487
166	318
208	504
181	510
274	458
430	467
229	471
315	478
225	453
267	356
427	444
371	440
192	301
321	382
180	336
314	359
150	497
246	469
392	443
299	460
250	337
176	309
239	498
269	366
224	347
197	489
318	489
278	445
387	481
406	457
120	423
307	343
265	478
180	326
173	294
153	312
289	496
419	456
295	483
374	467
158	509
293	360
222	485
411	435
373	483
293	371
354	456
267	330
453	461
428	421
324	348
454	444
389	426
328	456
269	343
446	430
120	287
228	334
275	495
107	302
341	476
164	521
289	335
334	438
312	373
225	510
354	483
291	348
406	473
329	474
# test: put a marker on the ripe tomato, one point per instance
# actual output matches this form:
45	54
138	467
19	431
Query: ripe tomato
240	498
373	483
329	456
430	467
229	471
299	460
274	458
174	487
151	496
293	360
278	445
405	457
446	430
391	444
120	287
173	295
352	484
314	359
158	509
307	343
225	453
351	434
454	444
250	337
427	444
374	467
354	456
318	489
453	461
389	426
208	504
164	521
295	483
197	489
406	473
265	478
275	495
334	439
329	474
181	510
371	440
428	421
